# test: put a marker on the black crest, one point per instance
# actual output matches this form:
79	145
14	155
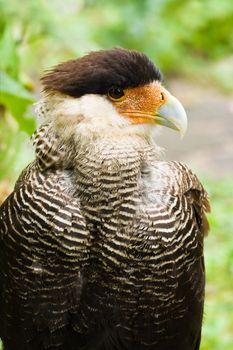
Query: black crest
98	71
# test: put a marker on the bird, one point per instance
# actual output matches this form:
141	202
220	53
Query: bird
101	240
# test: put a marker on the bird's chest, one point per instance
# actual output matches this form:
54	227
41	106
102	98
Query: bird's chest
111	290
117	210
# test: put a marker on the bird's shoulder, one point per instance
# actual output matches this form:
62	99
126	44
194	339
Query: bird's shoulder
44	248
43	207
174	176
173	199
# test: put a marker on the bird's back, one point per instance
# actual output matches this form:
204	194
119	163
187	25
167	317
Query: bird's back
130	278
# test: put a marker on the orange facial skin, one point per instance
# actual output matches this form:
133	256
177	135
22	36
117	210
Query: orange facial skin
140	104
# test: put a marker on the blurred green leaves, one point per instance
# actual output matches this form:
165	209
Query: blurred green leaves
15	99
9	58
13	96
218	319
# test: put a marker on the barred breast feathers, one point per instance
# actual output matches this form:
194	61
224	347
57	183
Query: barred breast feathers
128	152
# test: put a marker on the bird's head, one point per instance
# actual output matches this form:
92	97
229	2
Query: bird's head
109	90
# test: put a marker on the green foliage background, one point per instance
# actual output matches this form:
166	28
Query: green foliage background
184	37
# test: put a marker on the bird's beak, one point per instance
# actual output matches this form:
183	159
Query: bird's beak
172	115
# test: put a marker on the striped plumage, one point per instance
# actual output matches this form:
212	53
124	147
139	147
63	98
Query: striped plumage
101	245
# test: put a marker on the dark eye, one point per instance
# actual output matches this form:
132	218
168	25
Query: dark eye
115	93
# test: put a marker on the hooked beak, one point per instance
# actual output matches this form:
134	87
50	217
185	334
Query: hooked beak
172	115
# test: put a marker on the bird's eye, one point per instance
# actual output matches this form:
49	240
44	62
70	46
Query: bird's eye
115	93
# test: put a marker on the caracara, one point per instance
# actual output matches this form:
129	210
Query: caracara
101	241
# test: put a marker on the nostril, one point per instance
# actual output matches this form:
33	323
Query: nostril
162	96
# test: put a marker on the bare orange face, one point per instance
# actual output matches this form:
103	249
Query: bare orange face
139	104
150	103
